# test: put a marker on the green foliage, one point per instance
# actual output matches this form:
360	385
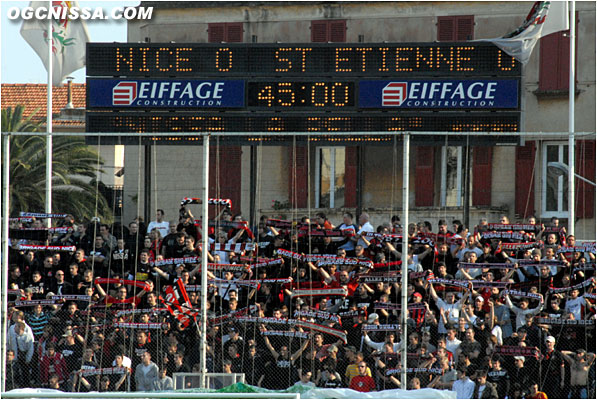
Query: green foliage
74	169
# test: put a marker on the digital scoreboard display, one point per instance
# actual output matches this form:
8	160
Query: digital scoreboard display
332	59
140	88
127	122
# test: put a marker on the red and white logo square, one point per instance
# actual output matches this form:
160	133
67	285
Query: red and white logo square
124	93
394	94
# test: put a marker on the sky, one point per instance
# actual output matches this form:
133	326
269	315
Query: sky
20	64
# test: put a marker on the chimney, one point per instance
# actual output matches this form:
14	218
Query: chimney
69	93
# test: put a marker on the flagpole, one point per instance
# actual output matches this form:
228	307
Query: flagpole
5	231
571	87
49	124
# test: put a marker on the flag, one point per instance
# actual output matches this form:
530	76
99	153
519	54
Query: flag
178	303
69	38
545	17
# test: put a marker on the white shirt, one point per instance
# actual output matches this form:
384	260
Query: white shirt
452	345
163	227
464	389
367	227
574	306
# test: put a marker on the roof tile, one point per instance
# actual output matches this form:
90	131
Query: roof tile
33	96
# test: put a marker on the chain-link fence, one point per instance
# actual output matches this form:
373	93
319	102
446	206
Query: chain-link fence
296	295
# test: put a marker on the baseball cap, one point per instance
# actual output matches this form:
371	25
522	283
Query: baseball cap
521	358
372	318
480	298
550	339
417	294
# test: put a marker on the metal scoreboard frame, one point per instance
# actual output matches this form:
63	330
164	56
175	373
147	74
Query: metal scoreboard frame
140	88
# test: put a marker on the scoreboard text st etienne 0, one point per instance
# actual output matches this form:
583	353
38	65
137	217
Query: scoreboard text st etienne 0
235	87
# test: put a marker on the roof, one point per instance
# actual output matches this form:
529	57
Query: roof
33	96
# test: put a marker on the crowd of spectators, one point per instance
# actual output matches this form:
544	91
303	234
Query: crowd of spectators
494	312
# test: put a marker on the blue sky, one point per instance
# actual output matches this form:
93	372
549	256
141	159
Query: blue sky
20	64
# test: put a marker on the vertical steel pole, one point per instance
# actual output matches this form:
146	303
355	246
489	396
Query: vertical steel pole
571	87
5	222
49	124
404	296
205	241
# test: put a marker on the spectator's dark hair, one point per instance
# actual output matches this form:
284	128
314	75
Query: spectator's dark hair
162	211
395	218
320	215
349	214
442	222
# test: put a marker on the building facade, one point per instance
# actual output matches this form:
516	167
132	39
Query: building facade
294	180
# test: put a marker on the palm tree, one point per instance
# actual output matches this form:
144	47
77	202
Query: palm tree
74	169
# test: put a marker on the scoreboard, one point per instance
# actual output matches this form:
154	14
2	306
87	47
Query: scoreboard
245	87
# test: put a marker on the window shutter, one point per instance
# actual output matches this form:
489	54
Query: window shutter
445	29
455	28
319	31
550	63
234	32
216	33
298	176
554	60
524	180
337	30
424	176
585	167
465	28
481	189
350	176
224	182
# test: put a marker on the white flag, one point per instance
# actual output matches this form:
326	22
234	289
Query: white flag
68	40
546	17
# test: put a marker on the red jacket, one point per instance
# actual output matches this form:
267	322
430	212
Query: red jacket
52	365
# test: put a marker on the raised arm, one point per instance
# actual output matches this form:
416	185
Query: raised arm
298	353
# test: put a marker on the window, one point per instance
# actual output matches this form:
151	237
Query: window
324	31
455	28
554	61
229	32
329	175
452	165
555	184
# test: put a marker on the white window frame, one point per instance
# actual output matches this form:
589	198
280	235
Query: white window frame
332	175
444	176
562	157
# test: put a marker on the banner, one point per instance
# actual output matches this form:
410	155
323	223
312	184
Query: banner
517	293
465	265
120	313
29	303
79	297
293	334
395	306
319	292
433	371
140	284
521	246
134	325
516	351
381	327
588	247
219	320
449	282
103	371
235	247
504	235
581	285
563	321
50	248
513	227
213	202
41	215
317	314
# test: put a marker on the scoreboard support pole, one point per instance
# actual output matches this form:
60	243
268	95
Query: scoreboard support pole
147	187
205	244
404	283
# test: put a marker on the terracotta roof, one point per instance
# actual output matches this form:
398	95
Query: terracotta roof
33	96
